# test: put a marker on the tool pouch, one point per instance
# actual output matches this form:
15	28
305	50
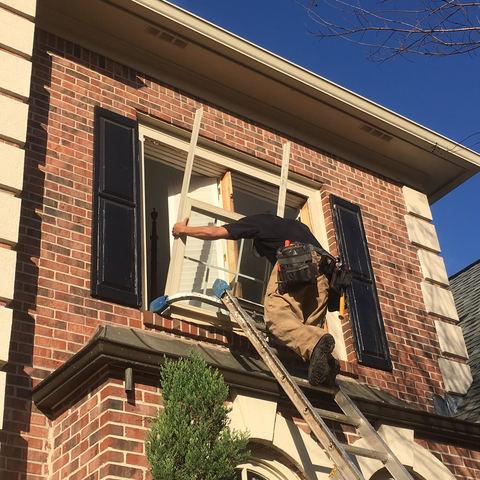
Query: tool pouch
299	264
339	280
341	277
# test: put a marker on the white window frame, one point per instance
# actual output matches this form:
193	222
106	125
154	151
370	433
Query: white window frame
178	251
269	469
228	162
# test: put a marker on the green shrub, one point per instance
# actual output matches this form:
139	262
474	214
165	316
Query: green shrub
190	438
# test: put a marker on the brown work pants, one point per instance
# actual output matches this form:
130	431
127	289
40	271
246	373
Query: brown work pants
296	318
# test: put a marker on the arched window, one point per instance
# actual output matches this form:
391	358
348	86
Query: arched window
383	474
247	474
265	469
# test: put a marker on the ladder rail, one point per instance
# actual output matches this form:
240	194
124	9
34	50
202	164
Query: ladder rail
339	453
366	430
346	469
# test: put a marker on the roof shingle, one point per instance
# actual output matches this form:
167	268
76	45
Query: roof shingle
465	286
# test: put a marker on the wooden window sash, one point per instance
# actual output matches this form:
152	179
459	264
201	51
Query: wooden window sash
282	189
178	250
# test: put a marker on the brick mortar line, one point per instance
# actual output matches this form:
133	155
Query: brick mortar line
107	450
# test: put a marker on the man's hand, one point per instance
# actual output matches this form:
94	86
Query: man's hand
179	228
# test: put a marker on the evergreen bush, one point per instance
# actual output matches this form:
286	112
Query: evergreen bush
190	438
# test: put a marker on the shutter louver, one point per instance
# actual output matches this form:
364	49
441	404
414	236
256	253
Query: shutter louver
116	255
364	308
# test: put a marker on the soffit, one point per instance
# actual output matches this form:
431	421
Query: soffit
191	54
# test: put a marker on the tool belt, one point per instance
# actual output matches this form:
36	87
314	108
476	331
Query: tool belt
300	264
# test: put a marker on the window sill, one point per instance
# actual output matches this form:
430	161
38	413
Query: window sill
195	315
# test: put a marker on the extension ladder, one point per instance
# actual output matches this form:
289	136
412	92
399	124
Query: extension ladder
339	453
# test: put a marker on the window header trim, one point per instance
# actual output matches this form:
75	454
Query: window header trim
261	169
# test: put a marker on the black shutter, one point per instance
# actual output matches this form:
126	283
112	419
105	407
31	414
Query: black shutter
364	308
116	255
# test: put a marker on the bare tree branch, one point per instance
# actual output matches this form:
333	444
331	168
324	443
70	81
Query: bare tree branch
399	27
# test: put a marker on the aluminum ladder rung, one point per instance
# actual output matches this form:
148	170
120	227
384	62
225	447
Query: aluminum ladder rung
304	383
328	414
345	468
371	436
365	452
338	417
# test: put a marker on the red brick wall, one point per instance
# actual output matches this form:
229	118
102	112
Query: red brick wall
54	313
77	80
103	436
464	463
72	81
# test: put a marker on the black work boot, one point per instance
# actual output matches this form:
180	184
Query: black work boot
334	365
319	369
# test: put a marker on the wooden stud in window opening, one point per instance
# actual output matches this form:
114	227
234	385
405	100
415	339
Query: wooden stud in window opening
305	215
189	165
226	193
175	258
282	190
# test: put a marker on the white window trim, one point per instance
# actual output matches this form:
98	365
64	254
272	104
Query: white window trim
313	196
270	469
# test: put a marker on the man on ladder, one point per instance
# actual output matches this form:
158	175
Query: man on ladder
295	309
297	292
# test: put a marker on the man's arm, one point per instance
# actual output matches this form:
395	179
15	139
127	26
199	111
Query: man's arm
204	233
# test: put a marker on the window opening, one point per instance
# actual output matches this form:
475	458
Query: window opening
217	195
204	261
252	197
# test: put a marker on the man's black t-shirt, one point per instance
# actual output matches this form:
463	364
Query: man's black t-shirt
269	233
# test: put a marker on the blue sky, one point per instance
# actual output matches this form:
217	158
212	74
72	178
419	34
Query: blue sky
442	94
